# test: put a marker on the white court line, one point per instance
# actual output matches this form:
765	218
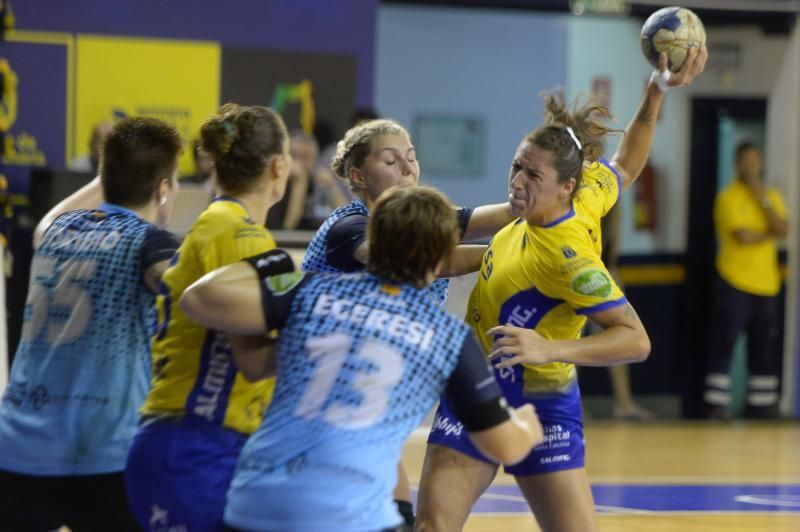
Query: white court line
501	497
680	480
717	512
519	498
620	510
653	513
766	500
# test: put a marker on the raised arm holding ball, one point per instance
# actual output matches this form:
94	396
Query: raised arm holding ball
542	278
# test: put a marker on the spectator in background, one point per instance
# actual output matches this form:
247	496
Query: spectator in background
90	163
312	192
749	218
324	193
328	144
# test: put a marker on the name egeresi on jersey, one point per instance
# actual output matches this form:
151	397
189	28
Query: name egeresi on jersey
342	309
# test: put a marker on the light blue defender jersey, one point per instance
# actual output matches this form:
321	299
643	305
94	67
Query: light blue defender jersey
360	363
82	366
331	250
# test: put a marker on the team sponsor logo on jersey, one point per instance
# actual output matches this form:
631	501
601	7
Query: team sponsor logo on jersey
594	282
574	265
39	397
250	232
280	284
448	426
568	252
216	377
559	458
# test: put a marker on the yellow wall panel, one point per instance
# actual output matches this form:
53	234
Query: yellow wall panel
176	81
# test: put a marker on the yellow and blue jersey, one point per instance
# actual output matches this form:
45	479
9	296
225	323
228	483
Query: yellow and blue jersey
549	278
193	373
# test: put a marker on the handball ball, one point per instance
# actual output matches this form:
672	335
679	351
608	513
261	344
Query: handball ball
673	30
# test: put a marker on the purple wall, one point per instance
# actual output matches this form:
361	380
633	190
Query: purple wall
332	26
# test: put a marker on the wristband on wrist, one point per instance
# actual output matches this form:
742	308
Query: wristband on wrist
661	79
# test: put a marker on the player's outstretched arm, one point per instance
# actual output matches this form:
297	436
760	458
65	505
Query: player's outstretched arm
465	259
623	340
486	220
89	196
512	440
634	148
227	299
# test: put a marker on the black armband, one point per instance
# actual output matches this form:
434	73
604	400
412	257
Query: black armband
273	262
484	415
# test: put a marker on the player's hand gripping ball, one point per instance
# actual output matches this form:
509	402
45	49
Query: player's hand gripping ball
673	30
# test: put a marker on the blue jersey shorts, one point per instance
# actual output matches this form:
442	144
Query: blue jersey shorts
178	474
559	412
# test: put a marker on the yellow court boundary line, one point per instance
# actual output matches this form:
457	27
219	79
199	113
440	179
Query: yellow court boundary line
63	39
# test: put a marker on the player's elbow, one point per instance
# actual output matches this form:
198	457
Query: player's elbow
194	301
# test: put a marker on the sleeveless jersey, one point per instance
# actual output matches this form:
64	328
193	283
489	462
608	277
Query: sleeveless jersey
193	373
82	366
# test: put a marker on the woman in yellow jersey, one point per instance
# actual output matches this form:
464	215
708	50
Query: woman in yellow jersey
542	277
200	409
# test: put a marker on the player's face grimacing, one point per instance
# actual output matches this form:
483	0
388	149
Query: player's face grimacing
392	162
534	191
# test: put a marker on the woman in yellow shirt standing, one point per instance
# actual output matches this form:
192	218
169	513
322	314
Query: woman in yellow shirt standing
749	218
200	409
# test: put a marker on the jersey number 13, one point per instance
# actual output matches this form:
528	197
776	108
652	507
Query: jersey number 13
328	354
